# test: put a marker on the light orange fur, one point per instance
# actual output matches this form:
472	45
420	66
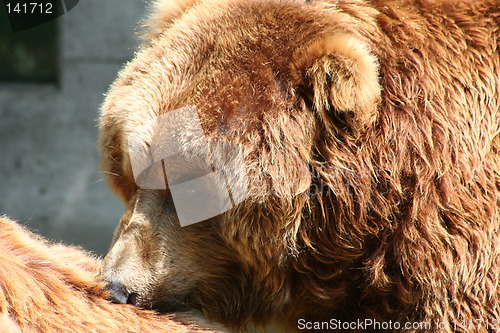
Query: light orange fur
47	288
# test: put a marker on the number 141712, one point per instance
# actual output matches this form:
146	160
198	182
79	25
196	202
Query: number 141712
29	8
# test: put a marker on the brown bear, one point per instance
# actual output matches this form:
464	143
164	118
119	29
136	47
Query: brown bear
369	132
47	288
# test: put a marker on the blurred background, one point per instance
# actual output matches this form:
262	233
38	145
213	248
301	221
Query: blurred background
52	81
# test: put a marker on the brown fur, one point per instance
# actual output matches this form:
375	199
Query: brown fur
162	15
54	288
370	132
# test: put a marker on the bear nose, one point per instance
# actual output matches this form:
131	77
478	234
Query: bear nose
119	293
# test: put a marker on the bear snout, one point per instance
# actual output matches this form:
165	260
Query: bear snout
119	293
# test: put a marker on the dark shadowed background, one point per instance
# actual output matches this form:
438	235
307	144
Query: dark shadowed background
52	81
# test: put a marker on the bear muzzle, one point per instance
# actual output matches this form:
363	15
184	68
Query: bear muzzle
119	294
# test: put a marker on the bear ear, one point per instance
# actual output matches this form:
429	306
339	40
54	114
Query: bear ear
162	13
338	73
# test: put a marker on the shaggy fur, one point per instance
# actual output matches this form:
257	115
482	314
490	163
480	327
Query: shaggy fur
54	288
370	133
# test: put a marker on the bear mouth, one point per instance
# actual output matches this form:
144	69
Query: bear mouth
119	295
168	307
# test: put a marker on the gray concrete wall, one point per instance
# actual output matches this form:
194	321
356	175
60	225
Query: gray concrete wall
49	167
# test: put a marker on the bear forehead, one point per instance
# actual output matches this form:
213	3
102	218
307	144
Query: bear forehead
265	26
232	61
